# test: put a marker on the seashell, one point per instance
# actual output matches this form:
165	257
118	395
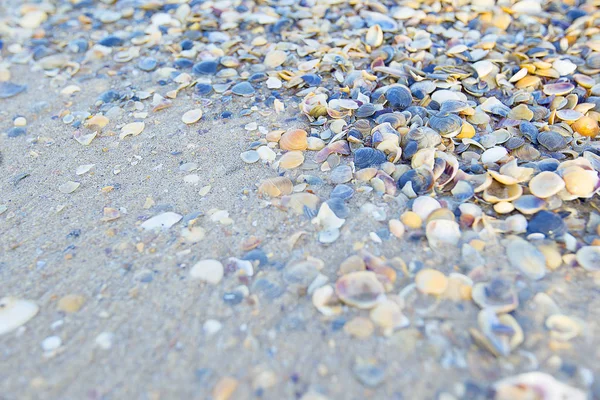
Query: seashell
514	143
552	140
15	312
366	110
325	301
301	202
367	157
521	112
291	160
593	61
418	181
547	223
327	219
366	174
431	281
399	96
360	289
496	295
206	67
500	333
133	128
529	204
504	207
503	179
243	89
276	187
147	64
374	36
564	328
580	182
161	221
448	126
526	152
68	187
462	191
9	89
425	205
342	191
588	257
526	258
586	126
569	115
529	131
266	154
338	147
493	155
546	184
512	169
467	131
341	174
442	233
295	139
535	385
250	156
395	119
191	116
558	89
495	106
497	192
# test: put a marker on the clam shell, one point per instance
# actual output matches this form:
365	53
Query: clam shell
367	157
580	182
493	155
431	281
497	192
546	184
360	289
191	116
533	384
586	126
341	174
374	36
588	257
526	258
448	126
295	139
399	96
291	160
15	312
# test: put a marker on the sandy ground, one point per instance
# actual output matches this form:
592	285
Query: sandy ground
145	298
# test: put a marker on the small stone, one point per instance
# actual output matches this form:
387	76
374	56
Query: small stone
105	340
211	326
51	343
369	373
162	221
411	220
71	303
359	327
225	388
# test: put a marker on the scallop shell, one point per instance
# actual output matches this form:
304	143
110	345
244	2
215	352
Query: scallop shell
360	289
448	126
295	139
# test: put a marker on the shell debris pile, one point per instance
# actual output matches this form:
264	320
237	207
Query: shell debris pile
464	128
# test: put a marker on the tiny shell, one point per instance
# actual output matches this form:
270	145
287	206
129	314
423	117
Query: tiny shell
493	154
133	128
535	385
162	221
69	187
442	232
359	289
192	116
431	281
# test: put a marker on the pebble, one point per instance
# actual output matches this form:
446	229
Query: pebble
51	343
71	303
210	271
15	312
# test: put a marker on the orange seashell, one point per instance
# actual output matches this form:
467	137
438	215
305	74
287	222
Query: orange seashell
295	139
